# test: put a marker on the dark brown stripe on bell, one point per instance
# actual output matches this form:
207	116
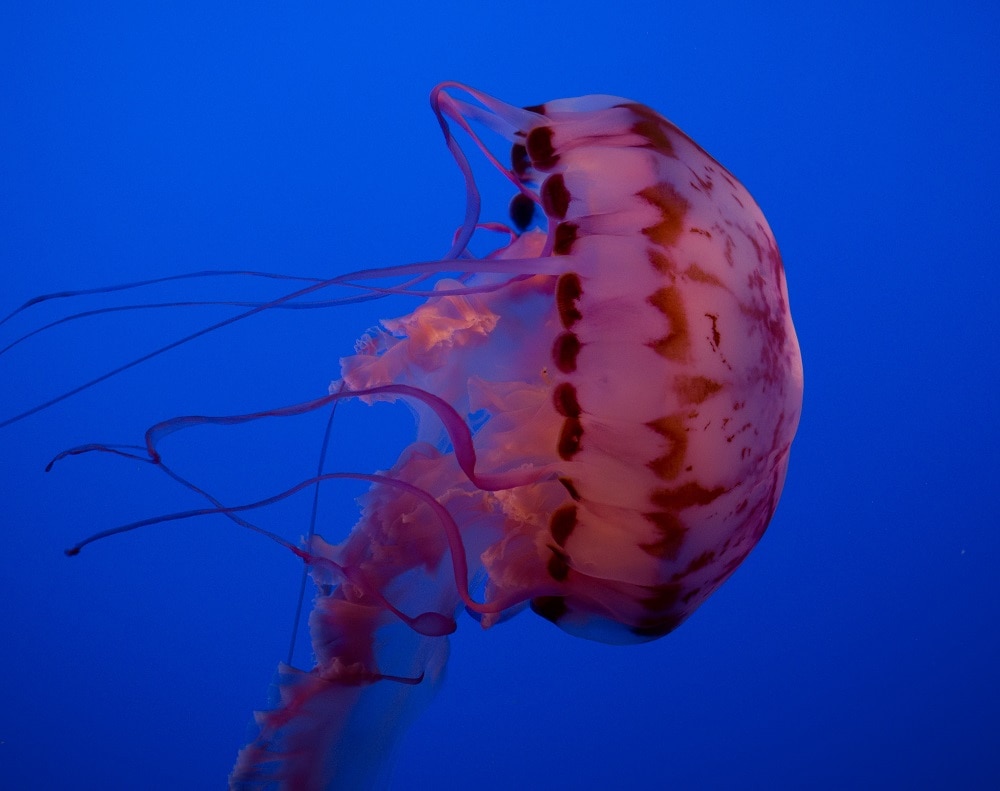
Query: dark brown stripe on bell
540	149
701	561
661	262
568	291
672	207
652	126
670	531
686	496
564	400
695	389
673	430
555	196
564	352
676	344
656	134
569	438
699	275
561	523
565	236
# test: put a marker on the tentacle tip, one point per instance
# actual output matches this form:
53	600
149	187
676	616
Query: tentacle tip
72	552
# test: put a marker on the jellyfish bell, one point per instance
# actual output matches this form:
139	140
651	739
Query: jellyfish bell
604	409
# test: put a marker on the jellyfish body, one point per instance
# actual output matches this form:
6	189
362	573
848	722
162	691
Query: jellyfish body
635	380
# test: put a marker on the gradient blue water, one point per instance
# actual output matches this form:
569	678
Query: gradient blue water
857	647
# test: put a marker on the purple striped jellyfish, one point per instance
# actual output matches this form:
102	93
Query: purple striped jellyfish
641	382
604	412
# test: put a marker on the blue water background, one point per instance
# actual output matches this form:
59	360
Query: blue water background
857	647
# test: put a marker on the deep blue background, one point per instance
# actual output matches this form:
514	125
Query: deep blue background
858	645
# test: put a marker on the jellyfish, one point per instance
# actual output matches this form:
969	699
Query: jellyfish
604	410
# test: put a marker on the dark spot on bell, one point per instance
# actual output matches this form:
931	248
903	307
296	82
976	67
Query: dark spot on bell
555	196
565	236
540	149
551	608
564	399
562	523
571	488
569	438
564	352
521	210
558	567
520	163
568	291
